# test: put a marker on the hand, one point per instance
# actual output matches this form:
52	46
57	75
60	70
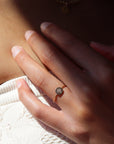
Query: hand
87	105
105	50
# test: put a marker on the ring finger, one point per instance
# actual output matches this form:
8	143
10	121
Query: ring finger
40	77
55	60
67	71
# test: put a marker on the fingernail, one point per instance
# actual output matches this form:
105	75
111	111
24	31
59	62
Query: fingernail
45	25
16	50
18	84
28	34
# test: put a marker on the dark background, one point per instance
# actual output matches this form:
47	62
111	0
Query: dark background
90	20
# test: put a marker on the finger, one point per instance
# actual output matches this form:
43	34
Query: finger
48	115
62	67
56	61
107	51
40	77
87	58
40	111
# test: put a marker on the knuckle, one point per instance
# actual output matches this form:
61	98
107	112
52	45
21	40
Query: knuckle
85	114
81	133
40	81
37	112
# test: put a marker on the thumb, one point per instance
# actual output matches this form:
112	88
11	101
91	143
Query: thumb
105	50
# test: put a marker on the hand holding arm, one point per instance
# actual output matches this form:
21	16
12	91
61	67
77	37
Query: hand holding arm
87	104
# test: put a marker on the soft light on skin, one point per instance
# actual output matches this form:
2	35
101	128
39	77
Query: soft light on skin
12	29
28	34
16	50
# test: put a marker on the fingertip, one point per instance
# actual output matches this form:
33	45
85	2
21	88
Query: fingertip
18	84
45	25
21	84
28	34
23	89
16	50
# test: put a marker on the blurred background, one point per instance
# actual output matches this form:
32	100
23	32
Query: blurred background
89	19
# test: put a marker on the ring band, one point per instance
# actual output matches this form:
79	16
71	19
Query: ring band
59	91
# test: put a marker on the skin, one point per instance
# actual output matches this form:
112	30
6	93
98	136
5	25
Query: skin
12	29
89	20
87	105
105	50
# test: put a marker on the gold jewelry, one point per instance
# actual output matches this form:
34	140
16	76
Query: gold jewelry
59	91
66	4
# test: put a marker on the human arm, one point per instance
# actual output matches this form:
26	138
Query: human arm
87	106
